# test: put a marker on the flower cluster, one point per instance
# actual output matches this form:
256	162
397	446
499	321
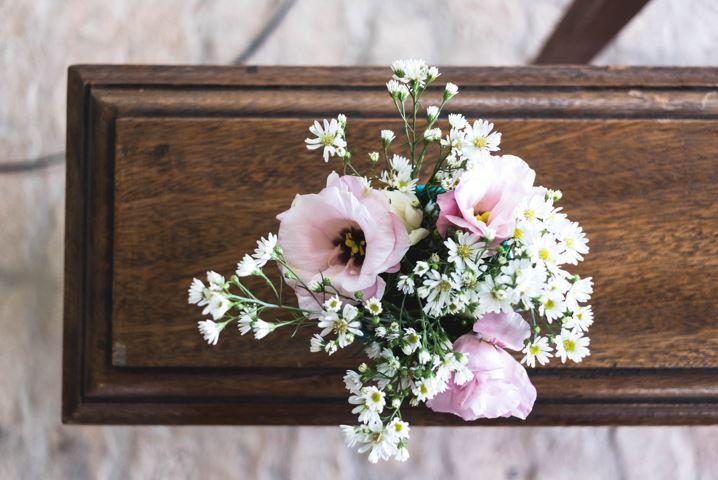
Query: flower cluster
435	272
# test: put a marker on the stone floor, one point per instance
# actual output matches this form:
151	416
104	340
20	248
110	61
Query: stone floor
39	38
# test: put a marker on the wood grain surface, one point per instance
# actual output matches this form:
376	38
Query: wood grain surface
176	170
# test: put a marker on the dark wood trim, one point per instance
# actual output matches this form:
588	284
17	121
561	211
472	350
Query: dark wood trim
586	28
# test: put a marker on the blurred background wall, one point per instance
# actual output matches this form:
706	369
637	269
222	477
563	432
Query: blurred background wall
40	38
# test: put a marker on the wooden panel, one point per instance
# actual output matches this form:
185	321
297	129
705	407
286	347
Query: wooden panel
173	171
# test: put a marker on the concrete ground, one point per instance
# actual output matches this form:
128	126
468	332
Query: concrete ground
39	38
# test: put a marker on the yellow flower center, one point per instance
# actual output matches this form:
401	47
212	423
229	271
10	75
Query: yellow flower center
483	216
529	214
376	397
463	251
569	345
569	242
534	350
518	233
549	304
480	142
354	246
544	254
326	139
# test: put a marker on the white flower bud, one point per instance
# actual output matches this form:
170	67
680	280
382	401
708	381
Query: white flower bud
450	91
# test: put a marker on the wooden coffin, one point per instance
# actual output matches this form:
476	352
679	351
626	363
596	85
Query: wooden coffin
176	170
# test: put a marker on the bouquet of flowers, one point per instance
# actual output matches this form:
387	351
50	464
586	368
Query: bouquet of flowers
436	269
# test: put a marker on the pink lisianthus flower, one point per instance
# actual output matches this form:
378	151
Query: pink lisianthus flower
500	386
506	330
346	233
486	198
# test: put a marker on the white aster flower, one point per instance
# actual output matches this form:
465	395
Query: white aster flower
379	445
424	356
373	305
216	281
198	294
436	289
537	350
210	330
411	70
333	304
579	292
581	319
265	249
457	121
552	305
352	382
427	388
574	243
537	207
217	305
432	112
329	136
373	350
480	139
345	327
463	375
398	429
369	403
545	250
493	297
572	344
412	341
402	453
405	284
465	251
421	268
349	313
352	435
331	347
316	343
246	320
262	329
432	135
247	266
397	90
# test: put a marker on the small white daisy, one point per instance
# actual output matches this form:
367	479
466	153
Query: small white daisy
537	350
329	137
316	343
265	250
421	268
217	305
210	330
464	252
373	305
411	341
247	266
405	284
571	344
262	329
333	304
197	293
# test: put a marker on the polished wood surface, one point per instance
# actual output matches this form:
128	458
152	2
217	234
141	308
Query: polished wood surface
176	170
